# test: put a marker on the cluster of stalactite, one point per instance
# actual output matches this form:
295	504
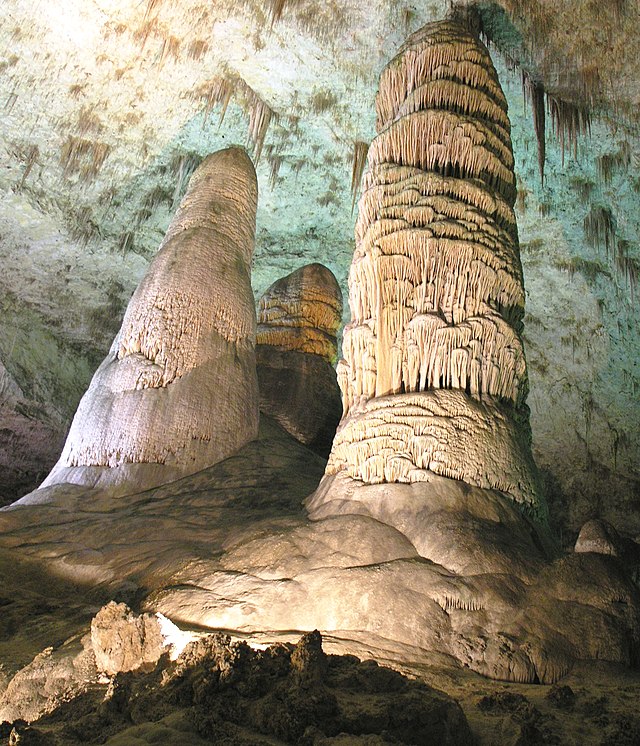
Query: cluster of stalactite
302	312
435	287
433	375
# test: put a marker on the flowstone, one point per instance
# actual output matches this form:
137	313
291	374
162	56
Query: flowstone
298	320
178	390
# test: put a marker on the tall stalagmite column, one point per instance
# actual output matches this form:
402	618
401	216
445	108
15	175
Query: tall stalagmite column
434	375
178	389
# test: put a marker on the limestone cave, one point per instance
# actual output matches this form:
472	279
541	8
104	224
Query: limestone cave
319	372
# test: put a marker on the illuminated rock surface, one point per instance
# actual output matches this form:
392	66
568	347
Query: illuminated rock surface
123	641
400	438
455	574
441	585
302	312
298	320
434	569
178	390
111	105
421	409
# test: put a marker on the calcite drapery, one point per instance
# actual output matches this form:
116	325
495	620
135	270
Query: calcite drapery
298	320
178	389
435	287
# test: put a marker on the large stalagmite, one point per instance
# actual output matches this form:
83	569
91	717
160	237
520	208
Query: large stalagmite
178	389
298	320
434	377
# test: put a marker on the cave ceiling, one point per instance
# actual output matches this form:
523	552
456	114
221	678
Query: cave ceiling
108	106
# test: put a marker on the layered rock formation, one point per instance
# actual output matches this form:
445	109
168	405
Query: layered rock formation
298	321
302	312
178	389
426	540
434	376
63	255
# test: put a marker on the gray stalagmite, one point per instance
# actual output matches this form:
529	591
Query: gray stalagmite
434	376
178	390
298	320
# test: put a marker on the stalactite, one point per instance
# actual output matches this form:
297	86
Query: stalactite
217	90
359	161
434	375
149	27
627	266
197	49
259	119
600	227
569	121
151	6
605	167
170	47
31	156
534	92
609	164
275	163
83	157
275	9
220	89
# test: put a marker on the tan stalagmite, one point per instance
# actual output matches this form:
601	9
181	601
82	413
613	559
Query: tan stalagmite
302	312
433	375
298	321
178	389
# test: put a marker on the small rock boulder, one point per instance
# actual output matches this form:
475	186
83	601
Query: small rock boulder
600	537
125	641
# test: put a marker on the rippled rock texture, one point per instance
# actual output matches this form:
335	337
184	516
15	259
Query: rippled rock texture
298	321
178	389
434	376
